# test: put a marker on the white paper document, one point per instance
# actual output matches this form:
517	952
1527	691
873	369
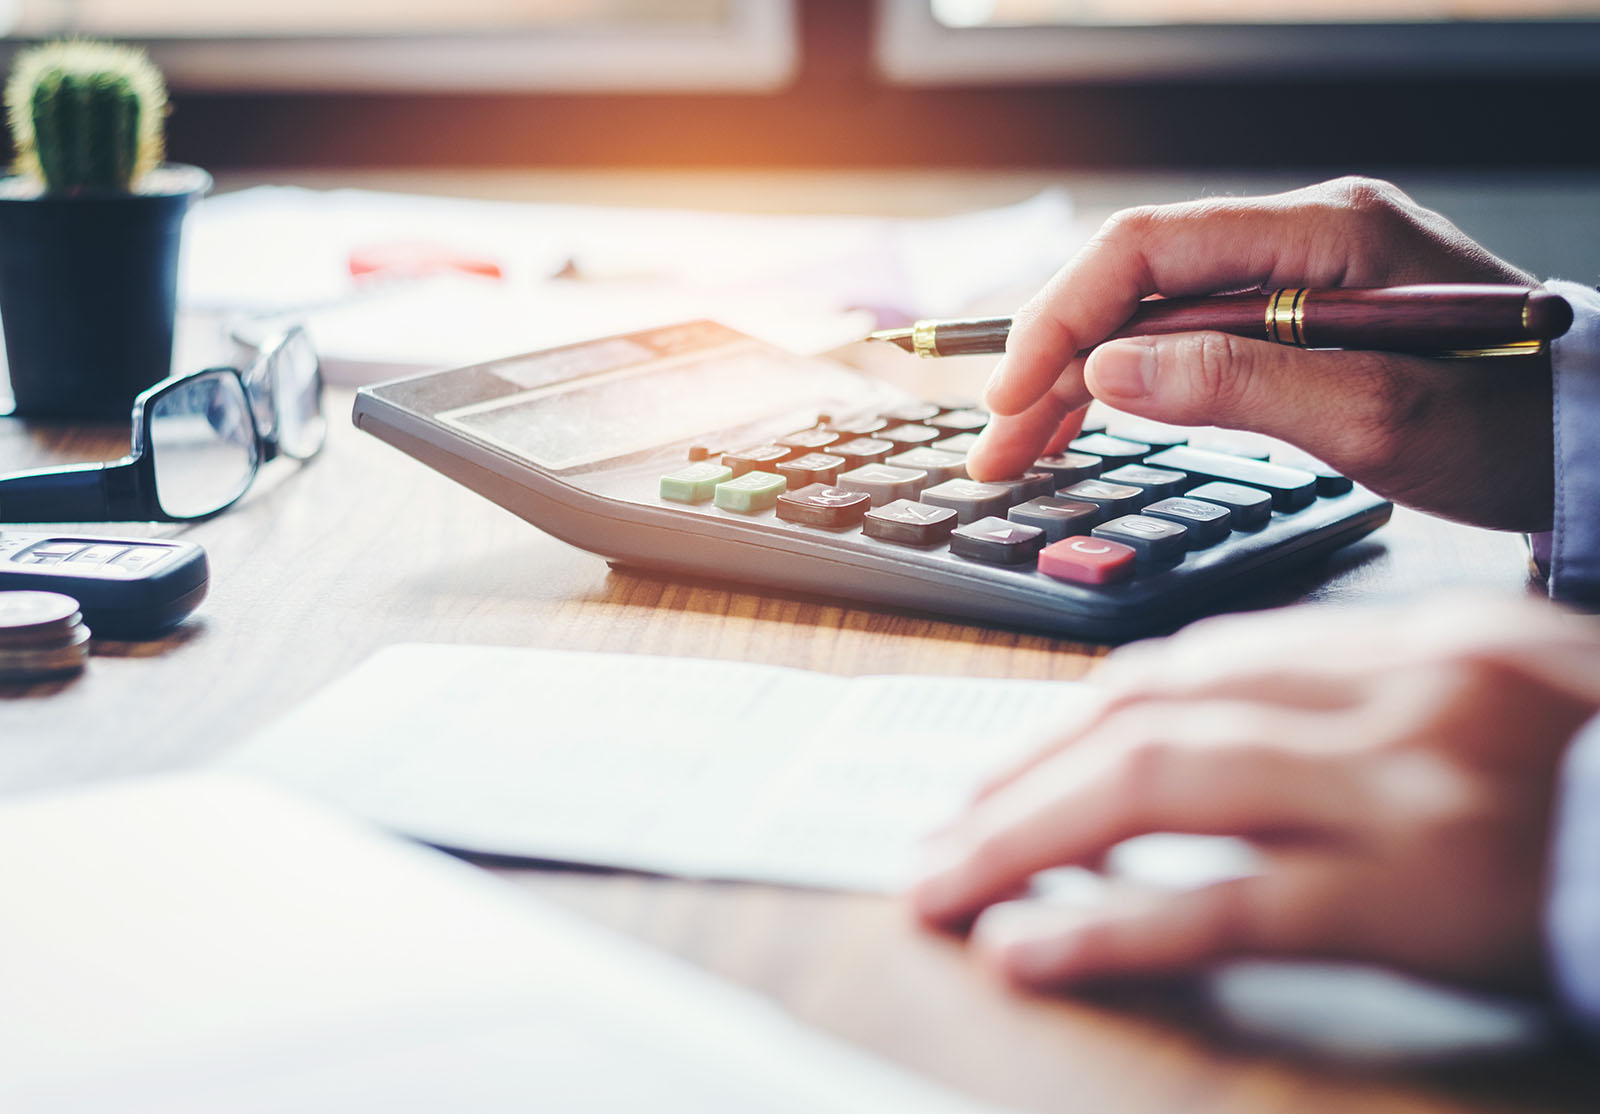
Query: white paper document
690	767
196	944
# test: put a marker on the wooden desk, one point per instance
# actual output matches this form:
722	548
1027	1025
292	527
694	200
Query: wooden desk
320	565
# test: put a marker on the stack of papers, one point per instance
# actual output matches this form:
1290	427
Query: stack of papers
572	272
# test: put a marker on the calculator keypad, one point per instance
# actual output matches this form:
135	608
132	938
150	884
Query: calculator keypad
1108	511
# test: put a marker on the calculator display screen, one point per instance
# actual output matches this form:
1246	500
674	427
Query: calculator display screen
634	409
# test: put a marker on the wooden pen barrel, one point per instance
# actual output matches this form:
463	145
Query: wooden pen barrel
1420	319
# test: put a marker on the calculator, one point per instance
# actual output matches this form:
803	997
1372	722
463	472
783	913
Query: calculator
693	449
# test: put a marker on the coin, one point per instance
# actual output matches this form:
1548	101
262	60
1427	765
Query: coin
21	610
41	634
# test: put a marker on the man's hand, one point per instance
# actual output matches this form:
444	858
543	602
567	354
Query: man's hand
1467	439
1395	769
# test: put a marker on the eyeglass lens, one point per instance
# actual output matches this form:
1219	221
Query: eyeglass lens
202	445
297	396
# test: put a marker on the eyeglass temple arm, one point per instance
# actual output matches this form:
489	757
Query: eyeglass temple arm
79	493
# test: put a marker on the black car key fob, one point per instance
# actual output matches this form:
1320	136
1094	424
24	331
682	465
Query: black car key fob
125	587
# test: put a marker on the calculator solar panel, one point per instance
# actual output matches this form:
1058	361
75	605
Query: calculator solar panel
693	449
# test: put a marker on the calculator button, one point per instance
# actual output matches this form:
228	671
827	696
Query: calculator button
970	499
1087	561
884	483
810	439
1234	442
1114	451
1207	523
96	554
858	427
906	523
1330	482
1249	507
859	451
960	421
961	443
1291	488
812	468
1157	483
937	464
821	505
761	458
751	492
1153	539
1112	499
1158	435
904	437
1031	485
1068	468
1058	518
997	542
911	412
695	483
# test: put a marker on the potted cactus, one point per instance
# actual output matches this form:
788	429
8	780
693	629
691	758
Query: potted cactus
89	230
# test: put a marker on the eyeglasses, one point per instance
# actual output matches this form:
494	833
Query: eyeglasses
198	441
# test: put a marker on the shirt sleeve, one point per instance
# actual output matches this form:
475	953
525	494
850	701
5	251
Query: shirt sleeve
1571	552
1572	924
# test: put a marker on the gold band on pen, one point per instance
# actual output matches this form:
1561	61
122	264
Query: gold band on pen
1515	348
925	338
1286	317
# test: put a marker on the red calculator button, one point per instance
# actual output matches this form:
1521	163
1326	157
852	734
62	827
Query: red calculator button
1087	560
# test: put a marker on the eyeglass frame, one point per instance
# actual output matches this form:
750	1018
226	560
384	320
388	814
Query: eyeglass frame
125	490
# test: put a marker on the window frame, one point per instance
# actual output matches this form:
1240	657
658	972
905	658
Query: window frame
915	49
756	50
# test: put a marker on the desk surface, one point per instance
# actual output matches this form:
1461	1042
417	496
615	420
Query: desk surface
320	565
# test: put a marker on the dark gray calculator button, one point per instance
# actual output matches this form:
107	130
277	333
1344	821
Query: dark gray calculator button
812	468
1032	485
139	557
821	505
1112	499
961	443
1207	523
1058	518
1114	451
55	551
938	464
1068	468
904	437
1250	506
1153	539
970	499
760	458
858	427
960	421
911	412
1291	488
884	483
1329	482
997	542
811	439
861	450
906	523
1158	483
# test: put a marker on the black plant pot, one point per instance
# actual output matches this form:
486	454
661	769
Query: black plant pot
89	291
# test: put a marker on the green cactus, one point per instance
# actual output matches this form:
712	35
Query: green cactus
86	114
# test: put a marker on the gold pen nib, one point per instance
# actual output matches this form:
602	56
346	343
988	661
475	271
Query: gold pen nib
900	337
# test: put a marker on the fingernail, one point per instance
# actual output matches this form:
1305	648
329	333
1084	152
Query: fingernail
936	881
1124	368
993	382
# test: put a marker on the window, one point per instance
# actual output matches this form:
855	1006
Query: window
611	45
989	41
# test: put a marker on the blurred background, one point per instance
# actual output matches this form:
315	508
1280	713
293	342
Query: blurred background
969	84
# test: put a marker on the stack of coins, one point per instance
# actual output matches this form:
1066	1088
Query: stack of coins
41	635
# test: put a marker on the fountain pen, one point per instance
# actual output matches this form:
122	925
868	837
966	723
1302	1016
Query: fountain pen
1457	321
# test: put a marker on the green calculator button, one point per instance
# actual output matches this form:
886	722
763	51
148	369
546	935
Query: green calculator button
694	483
751	492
